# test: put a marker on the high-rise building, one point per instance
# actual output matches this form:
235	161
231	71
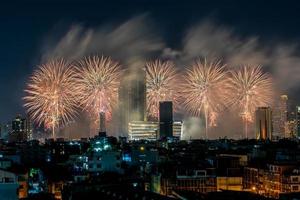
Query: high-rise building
21	129
142	130
18	124
5	130
132	98
298	121
263	123
165	119
280	117
149	130
177	129
102	123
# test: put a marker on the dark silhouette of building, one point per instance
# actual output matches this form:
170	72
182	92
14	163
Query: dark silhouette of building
165	119
21	129
263	123
132	98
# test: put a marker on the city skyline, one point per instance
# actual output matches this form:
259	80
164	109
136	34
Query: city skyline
149	99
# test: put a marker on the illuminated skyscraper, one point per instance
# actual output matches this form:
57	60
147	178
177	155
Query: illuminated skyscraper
142	130
149	130
132	98
21	129
279	117
263	123
165	119
177	129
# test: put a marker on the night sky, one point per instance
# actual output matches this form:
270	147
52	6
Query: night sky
27	27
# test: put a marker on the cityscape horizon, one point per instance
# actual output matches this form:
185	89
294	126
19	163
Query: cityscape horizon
149	100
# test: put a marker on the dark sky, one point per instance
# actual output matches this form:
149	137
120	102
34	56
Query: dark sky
25	27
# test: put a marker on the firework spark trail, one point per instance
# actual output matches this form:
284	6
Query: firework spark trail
251	88
98	80
161	81
51	94
205	90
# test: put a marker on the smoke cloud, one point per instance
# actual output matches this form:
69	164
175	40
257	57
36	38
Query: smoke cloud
131	42
213	41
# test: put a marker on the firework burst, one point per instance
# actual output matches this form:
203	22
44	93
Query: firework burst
161	81
251	88
98	80
205	90
51	94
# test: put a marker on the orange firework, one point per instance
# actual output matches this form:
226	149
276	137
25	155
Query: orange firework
50	95
251	88
98	80
205	90
161	81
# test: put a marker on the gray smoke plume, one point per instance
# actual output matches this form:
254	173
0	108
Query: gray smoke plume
131	42
213	41
193	128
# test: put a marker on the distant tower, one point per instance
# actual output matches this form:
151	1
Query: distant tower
132	98
165	119
102	120
263	123
28	129
280	116
5	130
20	129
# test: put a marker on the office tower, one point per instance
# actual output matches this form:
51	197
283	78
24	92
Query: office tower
18	124
165	119
28	128
132	98
5	130
21	129
263	123
177	129
143	130
297	121
102	123
279	117
149	130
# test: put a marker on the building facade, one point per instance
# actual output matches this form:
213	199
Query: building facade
149	130
165	119
263	123
21	129
280	117
132	98
143	130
